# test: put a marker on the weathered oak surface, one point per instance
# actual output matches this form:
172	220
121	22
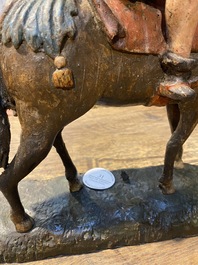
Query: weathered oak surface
112	138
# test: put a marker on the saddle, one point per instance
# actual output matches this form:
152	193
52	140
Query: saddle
135	26
130	25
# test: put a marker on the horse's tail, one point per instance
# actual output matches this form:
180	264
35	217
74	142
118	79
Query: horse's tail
5	136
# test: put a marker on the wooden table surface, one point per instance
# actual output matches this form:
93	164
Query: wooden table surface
115	138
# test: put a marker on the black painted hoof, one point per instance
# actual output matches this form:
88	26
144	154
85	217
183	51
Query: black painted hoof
24	225
75	186
166	189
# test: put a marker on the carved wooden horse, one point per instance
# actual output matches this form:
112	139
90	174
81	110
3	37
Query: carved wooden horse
92	71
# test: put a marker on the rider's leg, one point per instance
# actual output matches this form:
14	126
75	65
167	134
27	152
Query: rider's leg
181	23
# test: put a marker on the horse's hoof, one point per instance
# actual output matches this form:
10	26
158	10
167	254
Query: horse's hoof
167	189
23	226
75	186
179	164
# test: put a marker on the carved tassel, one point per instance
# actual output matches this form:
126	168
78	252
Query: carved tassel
62	77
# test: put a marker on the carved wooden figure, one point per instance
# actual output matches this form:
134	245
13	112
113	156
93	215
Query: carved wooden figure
59	57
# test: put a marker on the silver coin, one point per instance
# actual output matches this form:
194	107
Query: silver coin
98	179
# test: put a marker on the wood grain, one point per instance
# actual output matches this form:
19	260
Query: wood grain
114	138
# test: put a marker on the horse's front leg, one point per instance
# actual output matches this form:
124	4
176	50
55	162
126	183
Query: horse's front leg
188	121
34	146
70	169
173	114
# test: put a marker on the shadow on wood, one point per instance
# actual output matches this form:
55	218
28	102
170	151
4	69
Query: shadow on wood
132	212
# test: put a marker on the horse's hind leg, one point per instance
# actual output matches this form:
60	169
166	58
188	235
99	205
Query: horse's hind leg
187	123
4	138
34	146
173	113
70	169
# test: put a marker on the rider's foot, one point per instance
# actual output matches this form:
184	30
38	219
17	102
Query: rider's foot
177	71
180	91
